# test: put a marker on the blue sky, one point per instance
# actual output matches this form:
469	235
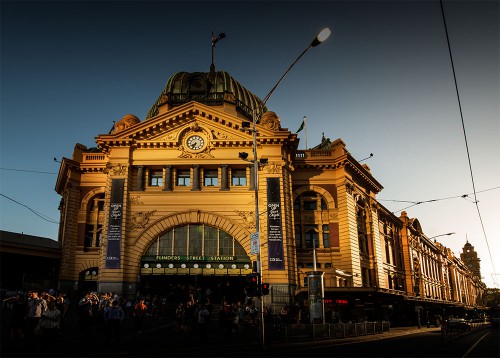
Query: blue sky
383	83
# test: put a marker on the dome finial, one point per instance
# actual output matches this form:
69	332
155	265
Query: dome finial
215	39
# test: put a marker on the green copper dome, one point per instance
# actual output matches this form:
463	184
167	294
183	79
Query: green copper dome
210	88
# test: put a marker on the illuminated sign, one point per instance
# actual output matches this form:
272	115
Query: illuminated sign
338	302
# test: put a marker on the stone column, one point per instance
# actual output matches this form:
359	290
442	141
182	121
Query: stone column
140	178
196	177
224	178
167	185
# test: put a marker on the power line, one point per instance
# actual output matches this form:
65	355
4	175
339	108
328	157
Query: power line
463	196
44	217
24	170
465	134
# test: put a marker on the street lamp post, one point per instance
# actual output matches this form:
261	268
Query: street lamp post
256	115
450	233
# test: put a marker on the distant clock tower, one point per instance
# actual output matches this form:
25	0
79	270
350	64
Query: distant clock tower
469	257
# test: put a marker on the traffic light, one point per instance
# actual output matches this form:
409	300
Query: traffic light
265	289
252	284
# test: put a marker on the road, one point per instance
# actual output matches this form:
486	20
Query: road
483	343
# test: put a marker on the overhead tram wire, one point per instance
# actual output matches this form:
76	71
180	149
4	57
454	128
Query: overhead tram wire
29	171
42	216
465	134
463	196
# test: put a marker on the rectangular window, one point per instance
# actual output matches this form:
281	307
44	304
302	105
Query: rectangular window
238	177
180	240
183	177
89	235
298	236
210	241
156	177
326	236
195	239
98	236
165	242
311	236
210	177
310	205
225	243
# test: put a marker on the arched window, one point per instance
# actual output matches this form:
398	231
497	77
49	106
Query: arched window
196	240
93	221
311	223
362	234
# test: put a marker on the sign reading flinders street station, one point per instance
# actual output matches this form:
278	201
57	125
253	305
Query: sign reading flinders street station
194	264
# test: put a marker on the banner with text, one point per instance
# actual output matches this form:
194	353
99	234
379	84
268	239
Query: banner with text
274	230
114	240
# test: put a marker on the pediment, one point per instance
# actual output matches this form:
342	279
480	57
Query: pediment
170	129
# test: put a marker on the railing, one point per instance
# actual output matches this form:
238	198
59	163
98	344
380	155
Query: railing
311	332
451	330
92	157
304	154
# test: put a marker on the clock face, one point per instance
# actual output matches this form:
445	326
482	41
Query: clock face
195	142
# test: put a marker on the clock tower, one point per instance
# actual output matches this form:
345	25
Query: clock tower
469	257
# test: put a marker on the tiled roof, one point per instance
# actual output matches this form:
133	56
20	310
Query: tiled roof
21	239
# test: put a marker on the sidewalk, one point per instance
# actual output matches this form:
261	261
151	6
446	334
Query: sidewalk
159	338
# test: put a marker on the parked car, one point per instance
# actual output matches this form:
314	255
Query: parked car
459	324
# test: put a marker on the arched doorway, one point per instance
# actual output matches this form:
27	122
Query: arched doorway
196	260
88	280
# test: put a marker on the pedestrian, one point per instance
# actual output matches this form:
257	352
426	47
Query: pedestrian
180	318
203	322
17	318
85	314
36	307
139	313
113	316
62	304
284	315
50	323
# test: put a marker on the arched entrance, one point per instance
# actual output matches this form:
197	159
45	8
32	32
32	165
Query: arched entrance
197	260
88	280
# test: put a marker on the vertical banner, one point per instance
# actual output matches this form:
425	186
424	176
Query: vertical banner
114	240
274	230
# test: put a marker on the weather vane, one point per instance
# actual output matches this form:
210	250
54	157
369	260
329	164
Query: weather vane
215	39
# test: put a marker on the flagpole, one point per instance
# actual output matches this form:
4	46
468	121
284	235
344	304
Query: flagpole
305	129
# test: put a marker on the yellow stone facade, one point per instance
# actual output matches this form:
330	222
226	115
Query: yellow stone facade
181	169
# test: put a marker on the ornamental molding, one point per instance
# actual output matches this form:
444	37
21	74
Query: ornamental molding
229	97
141	219
115	169
349	186
171	136
203	154
248	218
270	121
272	168
135	200
219	135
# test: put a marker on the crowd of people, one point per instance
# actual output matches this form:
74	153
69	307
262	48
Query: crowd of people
38	318
34	314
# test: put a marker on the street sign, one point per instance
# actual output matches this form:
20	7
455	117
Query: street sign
254	243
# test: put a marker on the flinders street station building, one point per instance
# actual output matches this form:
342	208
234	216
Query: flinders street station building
169	201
